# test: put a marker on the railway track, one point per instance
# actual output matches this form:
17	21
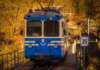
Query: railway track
42	67
68	64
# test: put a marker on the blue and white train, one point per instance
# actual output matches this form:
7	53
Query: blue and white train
44	35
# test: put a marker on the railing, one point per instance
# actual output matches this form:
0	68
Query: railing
10	61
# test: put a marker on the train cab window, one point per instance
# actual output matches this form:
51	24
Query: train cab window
51	28
34	29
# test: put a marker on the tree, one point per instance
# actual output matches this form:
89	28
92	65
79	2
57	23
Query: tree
90	8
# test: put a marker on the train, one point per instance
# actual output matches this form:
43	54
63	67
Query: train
44	32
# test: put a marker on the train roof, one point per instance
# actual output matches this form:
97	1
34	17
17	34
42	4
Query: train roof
44	15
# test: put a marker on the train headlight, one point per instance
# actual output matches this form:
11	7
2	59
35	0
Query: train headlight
35	45
31	45
30	42
51	44
57	42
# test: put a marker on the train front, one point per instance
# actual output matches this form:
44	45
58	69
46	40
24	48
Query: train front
44	38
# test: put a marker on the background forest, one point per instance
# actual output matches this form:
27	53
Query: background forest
12	14
76	13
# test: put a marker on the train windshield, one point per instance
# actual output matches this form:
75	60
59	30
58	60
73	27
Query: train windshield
46	29
34	29
51	29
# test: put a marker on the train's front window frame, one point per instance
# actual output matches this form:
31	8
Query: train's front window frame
51	29
42	29
33	29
